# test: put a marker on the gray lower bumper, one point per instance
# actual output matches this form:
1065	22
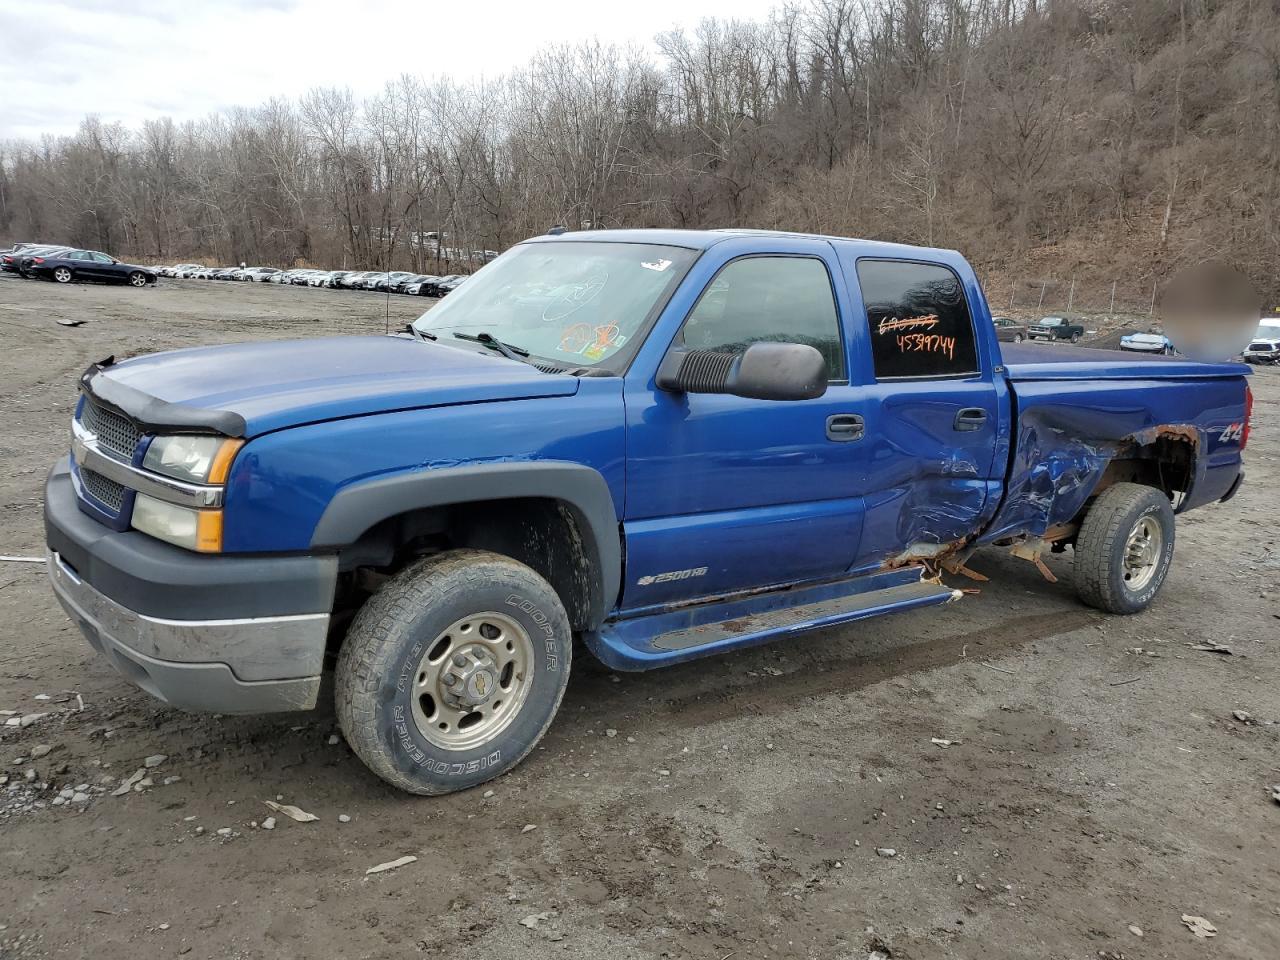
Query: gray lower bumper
252	665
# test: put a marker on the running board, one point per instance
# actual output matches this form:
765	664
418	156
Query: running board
672	636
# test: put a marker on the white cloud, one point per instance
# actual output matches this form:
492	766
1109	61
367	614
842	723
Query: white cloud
132	60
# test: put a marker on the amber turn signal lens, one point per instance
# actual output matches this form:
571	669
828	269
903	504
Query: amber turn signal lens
221	465
209	531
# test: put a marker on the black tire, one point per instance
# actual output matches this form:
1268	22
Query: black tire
401	624
63	275
1103	580
1017	338
1075	338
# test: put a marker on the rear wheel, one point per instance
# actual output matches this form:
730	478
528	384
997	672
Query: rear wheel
1124	548
62	274
1017	338
452	673
1075	338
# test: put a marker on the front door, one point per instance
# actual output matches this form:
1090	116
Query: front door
724	493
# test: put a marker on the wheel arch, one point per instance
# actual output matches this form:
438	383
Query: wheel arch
557	518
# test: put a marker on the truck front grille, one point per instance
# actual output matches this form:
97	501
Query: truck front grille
116	434
103	489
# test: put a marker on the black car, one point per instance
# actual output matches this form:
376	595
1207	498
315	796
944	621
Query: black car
63	266
402	284
11	260
1055	328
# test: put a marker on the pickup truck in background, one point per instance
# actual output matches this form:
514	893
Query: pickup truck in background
1264	348
666	444
1055	328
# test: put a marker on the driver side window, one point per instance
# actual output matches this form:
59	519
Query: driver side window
768	299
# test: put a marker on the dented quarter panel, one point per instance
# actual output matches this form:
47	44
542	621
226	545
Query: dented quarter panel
1069	430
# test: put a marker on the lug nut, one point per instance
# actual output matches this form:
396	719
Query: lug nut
450	679
459	660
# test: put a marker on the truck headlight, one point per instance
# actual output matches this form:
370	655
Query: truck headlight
199	530
194	459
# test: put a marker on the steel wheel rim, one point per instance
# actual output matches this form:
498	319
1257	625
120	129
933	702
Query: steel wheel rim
489	657
1142	552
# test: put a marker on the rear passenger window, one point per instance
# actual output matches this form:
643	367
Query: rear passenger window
768	299
918	319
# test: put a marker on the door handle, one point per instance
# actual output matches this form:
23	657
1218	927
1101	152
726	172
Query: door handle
970	418
844	427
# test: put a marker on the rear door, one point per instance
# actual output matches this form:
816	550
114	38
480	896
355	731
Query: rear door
933	449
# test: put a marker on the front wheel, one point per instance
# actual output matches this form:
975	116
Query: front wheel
452	673
1124	548
137	279
62	275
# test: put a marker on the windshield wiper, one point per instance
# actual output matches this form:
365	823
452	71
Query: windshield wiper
508	350
419	334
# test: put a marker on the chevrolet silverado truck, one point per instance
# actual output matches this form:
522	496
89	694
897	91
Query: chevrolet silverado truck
662	444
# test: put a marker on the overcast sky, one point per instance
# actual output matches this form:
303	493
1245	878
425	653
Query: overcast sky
131	60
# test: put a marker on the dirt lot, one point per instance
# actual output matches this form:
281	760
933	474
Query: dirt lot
1096	779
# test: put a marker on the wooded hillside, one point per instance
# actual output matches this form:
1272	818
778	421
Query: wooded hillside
1098	139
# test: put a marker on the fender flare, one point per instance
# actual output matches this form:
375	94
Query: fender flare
360	506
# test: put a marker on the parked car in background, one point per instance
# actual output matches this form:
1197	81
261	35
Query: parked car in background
64	266
1147	343
416	288
257	274
432	287
1009	331
11	261
1055	328
371	280
350	280
178	269
1264	348
447	287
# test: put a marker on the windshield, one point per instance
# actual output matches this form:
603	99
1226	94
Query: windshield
580	303
1267	332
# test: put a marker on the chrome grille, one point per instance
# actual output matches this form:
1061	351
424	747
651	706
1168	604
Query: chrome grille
103	489
116	434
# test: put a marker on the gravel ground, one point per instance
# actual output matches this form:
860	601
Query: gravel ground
1098	784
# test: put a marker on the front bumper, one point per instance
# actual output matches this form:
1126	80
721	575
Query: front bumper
223	634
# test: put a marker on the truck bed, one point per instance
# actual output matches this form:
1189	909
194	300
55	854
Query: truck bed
1075	410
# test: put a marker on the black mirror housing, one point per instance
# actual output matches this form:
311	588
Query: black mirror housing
764	371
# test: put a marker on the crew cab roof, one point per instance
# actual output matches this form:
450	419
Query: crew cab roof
704	239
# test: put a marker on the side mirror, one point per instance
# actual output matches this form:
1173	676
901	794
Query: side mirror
764	371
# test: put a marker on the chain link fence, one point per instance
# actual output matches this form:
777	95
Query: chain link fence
1035	297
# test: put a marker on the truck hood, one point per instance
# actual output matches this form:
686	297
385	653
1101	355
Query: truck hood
253	388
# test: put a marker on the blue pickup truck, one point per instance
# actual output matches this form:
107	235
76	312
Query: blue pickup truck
662	444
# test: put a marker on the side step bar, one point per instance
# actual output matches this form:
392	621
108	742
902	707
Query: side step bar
686	633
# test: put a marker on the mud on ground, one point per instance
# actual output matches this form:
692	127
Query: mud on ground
1096	778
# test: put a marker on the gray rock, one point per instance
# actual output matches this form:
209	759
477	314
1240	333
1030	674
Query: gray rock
269	823
886	852
40	750
155	760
